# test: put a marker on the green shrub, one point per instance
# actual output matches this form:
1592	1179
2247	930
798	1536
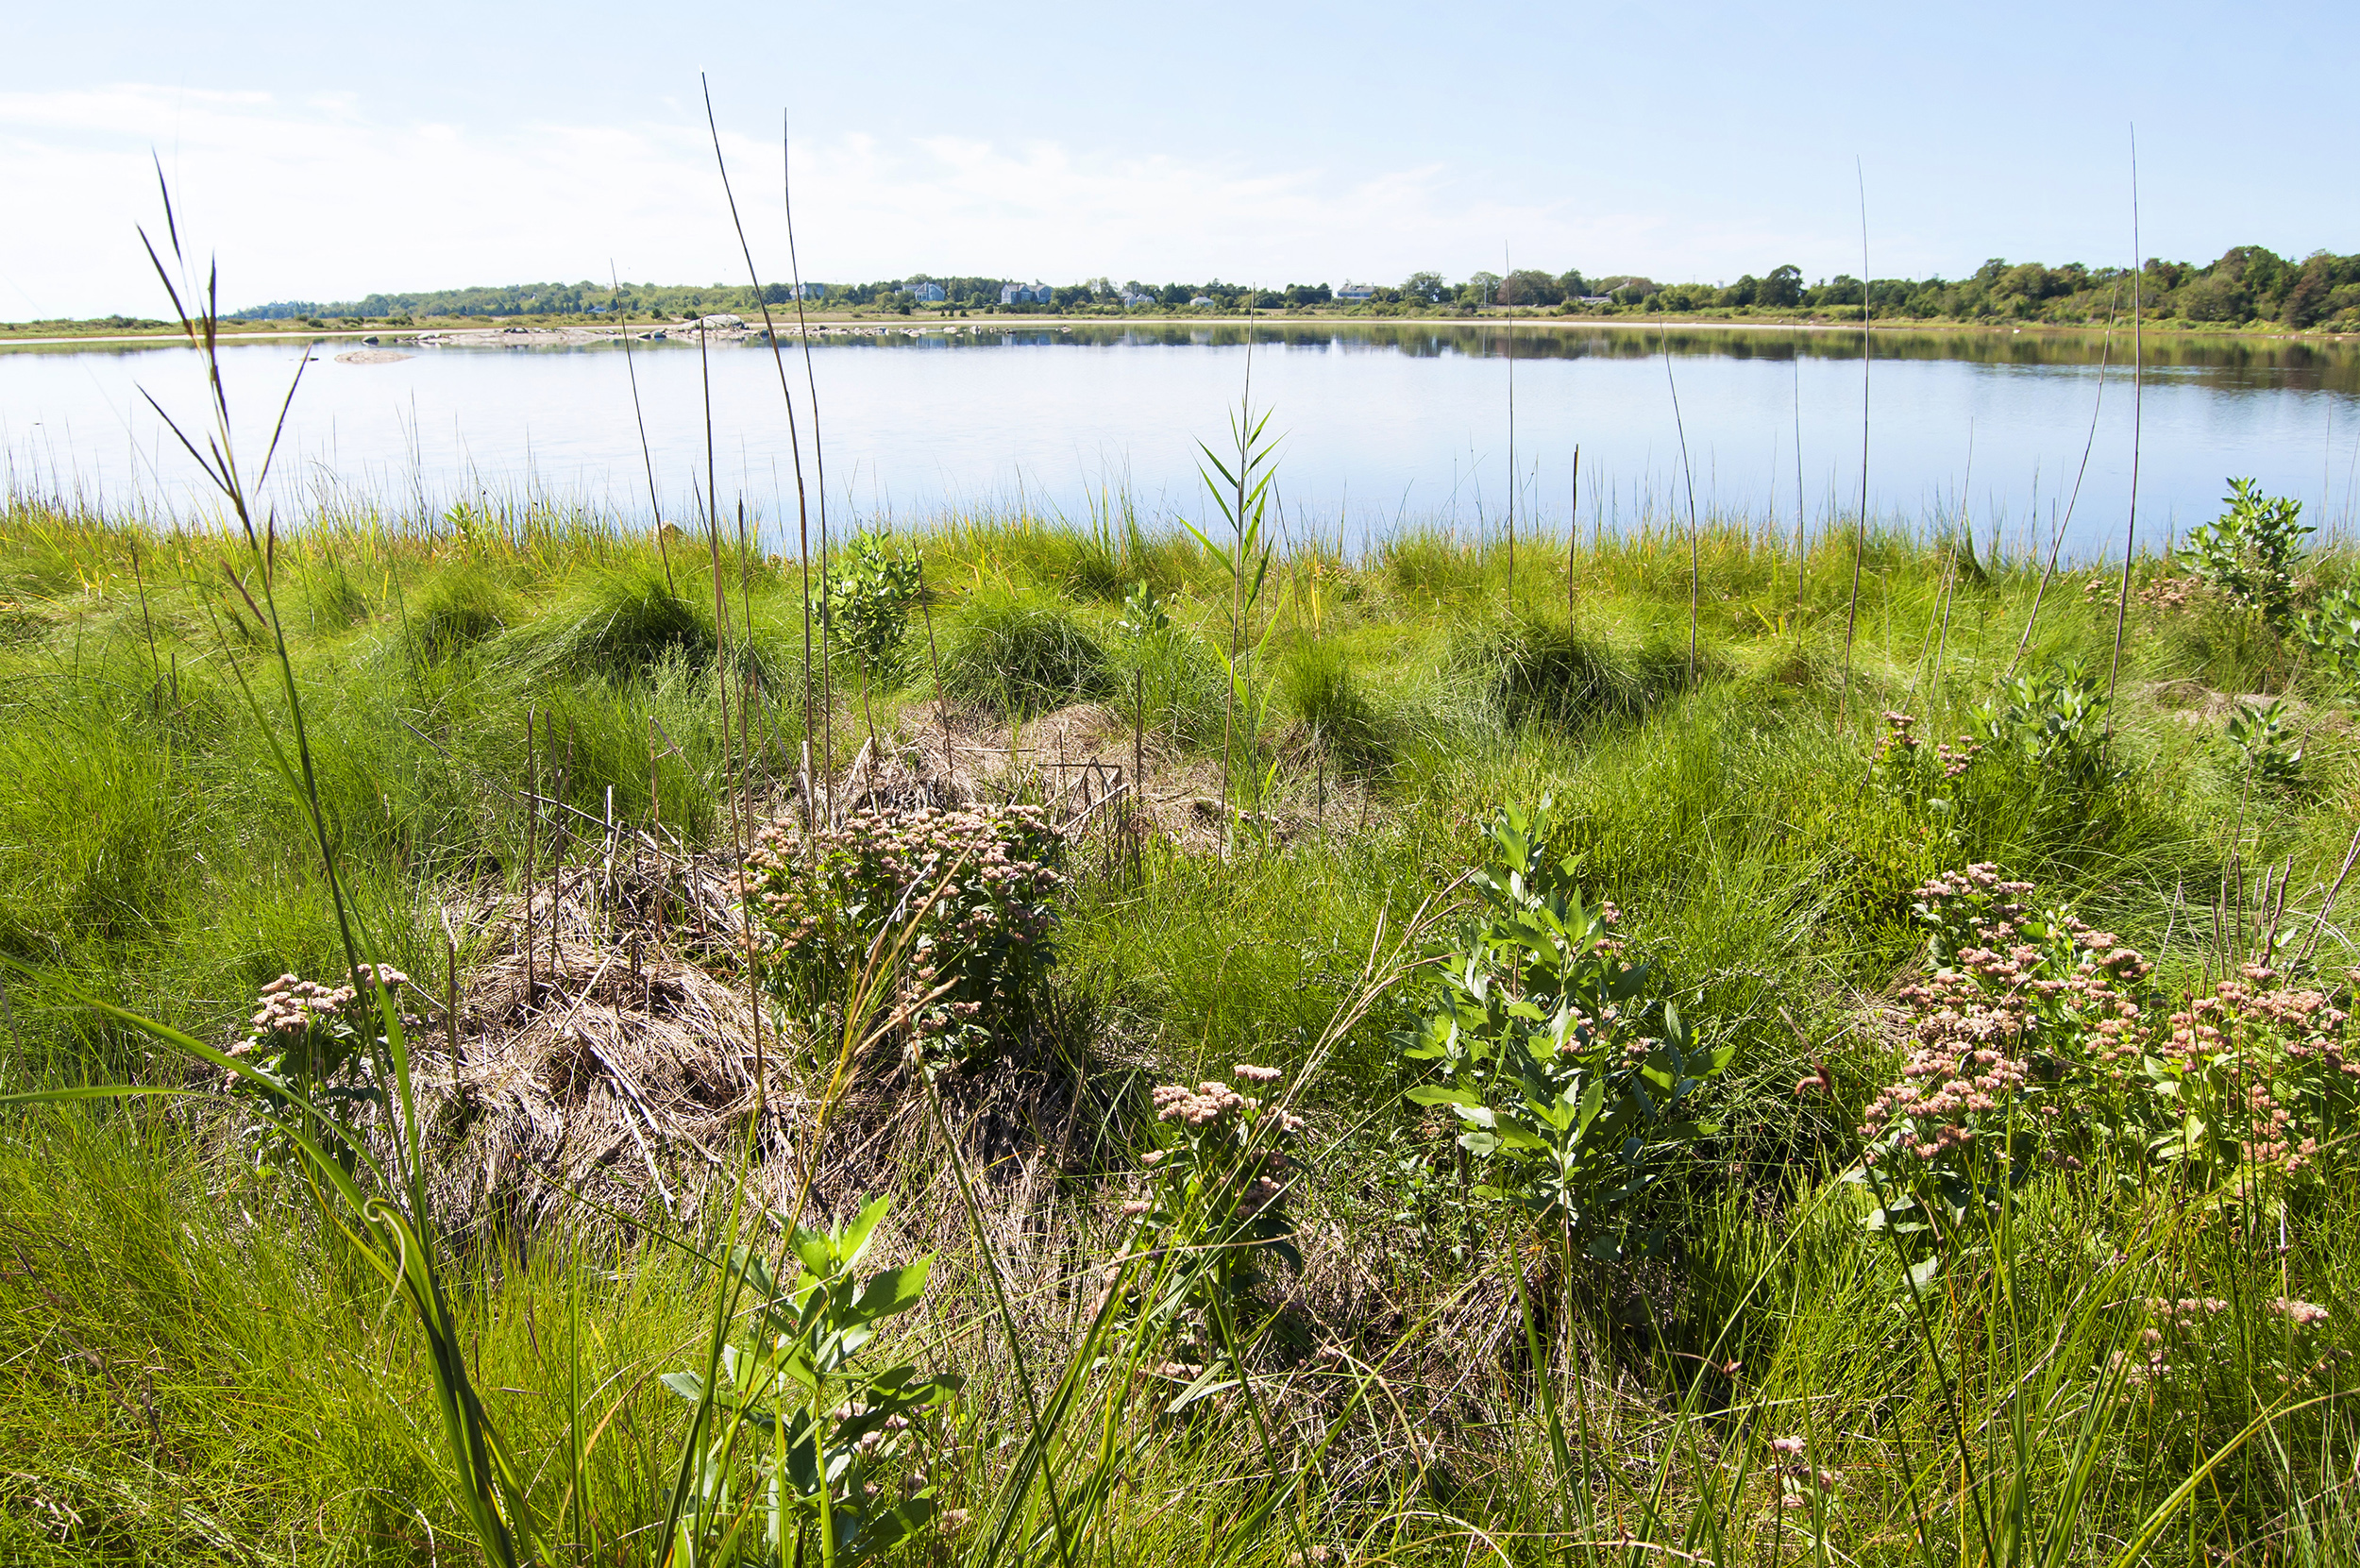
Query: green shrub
1571	1087
2267	750
1022	654
2253	552
870	592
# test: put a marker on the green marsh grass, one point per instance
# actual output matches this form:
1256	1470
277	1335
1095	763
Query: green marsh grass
198	1369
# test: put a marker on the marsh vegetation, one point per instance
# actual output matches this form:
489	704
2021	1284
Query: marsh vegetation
1222	1054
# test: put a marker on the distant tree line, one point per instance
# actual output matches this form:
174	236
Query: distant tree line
2248	283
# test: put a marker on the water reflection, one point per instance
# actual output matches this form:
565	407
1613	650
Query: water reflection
1386	424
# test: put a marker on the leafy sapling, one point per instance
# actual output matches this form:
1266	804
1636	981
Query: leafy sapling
1572	1089
2253	553
870	594
2266	747
805	1436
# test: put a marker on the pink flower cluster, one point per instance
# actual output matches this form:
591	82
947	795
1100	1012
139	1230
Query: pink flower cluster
1800	1482
1899	751
2286	1042
2020	1002
1200	1106
980	881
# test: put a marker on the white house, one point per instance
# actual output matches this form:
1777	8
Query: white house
1201	302
1137	296
1356	294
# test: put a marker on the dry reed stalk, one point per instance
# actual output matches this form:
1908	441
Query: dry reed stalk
1867	357
2056	542
532	809
778	359
647	454
1572	531
2138	388
1695	574
1801	562
934	657
1507	272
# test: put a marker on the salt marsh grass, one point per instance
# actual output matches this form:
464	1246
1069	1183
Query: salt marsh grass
201	1365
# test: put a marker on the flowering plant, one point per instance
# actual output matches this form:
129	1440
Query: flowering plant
324	1043
975	886
2025	1016
2031	1043
1213	1213
2253	1078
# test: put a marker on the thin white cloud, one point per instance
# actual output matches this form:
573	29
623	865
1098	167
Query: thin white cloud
316	195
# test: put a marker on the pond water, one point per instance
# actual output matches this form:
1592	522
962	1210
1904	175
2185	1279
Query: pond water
1381	427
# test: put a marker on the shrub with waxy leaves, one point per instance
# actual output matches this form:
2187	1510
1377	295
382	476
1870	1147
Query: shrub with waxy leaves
2253	552
801	1430
975	887
870	592
1570	1097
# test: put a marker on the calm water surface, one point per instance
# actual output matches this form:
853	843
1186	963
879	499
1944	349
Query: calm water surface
1381	426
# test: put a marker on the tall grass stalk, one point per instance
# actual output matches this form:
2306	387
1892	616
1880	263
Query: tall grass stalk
2056	542
639	418
2138	400
1695	560
1867	356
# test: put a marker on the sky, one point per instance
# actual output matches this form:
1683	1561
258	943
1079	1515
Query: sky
328	151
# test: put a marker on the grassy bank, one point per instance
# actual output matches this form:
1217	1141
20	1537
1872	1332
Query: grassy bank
2103	1363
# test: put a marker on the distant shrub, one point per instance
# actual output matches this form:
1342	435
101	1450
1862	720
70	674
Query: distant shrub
1022	654
980	952
2253	552
2330	632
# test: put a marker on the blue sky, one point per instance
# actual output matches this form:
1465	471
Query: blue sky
325	151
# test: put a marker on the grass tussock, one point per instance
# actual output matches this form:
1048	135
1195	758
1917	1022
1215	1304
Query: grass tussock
1020	654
